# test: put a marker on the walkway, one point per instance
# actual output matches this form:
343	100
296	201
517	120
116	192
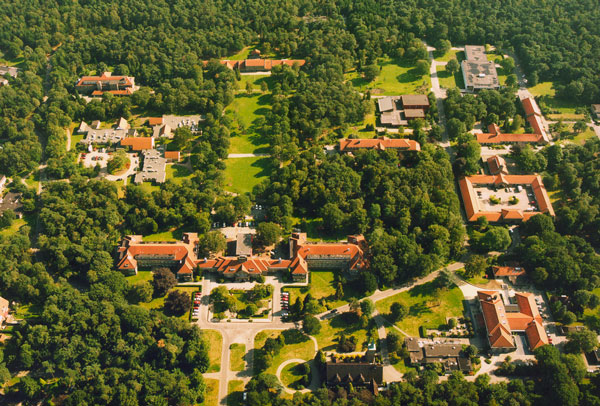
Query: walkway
314	381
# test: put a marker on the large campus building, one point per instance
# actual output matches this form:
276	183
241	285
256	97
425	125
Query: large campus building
106	83
400	110
255	63
534	118
346	256
519	197
502	319
133	253
478	72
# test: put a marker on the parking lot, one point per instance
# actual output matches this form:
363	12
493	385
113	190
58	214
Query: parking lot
91	159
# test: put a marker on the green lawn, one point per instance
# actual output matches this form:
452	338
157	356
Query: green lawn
242	174
75	139
149	187
478	280
235	391
211	396
215	340
236	360
158	303
315	230
243	54
247	112
305	349
27	220
397	76
332	328
256	82
448	81
322	286
171	235
451	54
560	109
582	137
427	306
178	173
290	374
140	277
33	180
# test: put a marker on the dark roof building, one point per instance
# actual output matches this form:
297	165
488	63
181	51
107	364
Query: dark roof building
450	356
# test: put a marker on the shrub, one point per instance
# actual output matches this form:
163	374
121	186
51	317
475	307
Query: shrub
178	302
162	281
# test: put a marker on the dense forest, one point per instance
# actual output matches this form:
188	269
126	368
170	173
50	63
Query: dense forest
86	343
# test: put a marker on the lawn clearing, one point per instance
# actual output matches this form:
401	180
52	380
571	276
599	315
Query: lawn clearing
331	329
322	285
558	109
304	349
159	302
255	80
242	174
243	54
149	187
215	341
582	137
211	396
427	306
141	276
27	220
235	393
236	358
178	173
397	76
478	280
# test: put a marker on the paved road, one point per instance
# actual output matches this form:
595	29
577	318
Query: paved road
68	140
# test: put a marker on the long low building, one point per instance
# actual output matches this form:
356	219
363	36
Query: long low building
381	143
106	83
528	186
502	319
259	65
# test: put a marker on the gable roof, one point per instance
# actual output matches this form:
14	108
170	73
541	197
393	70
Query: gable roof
507	271
174	155
138	143
152	121
379	143
355	372
497	165
531	107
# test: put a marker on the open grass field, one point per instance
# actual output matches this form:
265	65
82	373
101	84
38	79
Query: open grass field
171	235
178	173
242	174
427	306
243	54
303	348
582	137
397	76
214	350
27	220
448	81
237	362
559	109
235	393
140	277
331	329
256	82
149	187
246	110
322	286
211	397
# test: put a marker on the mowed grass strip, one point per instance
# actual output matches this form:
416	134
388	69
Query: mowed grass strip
236	357
211	395
427	306
215	340
247	111
242	174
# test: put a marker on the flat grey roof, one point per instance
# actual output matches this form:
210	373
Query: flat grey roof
480	75
475	53
386	104
414	100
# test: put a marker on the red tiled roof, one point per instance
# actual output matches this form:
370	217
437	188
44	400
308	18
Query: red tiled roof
178	252
172	155
500	323
471	202
487	138
531	107
152	121
380	143
497	165
507	271
138	143
108	79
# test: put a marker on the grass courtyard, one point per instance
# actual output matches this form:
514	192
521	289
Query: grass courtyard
214	338
396	77
178	173
427	306
451	54
238	352
448	81
322	285
304	349
242	174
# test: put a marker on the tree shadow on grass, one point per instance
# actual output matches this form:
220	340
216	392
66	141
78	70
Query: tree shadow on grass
419	309
265	165
426	289
265	100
